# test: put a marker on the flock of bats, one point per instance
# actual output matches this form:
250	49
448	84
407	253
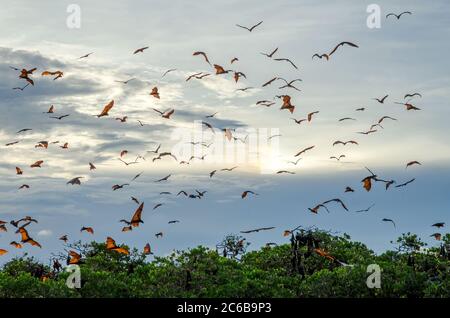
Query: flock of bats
74	257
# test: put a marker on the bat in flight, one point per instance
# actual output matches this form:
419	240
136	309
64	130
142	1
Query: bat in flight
202	54
406	183
21	88
337	158
85	56
168	71
246	193
304	150
287	104
286	60
327	56
345	142
25	238
437	236
147	249
270	55
75	181
439	224
73	258
141	50
220	70
409	106
367	181
258	229
398	16
365	210
389	220
163	179
166	114
111	245
87	229
412	95
137	217
381	100
106	109
411	163
57	74
60	117
250	29
155	92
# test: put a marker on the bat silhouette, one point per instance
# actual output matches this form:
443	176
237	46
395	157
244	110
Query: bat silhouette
245	194
251	28
398	16
141	50
303	151
258	229
202	54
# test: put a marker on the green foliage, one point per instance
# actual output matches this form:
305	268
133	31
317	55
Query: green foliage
408	271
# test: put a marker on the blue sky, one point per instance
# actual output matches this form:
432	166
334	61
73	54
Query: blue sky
401	57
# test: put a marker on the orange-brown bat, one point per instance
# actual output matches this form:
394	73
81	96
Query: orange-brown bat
3	252
19	171
51	110
202	54
165	114
287	104
147	249
15	244
409	106
42	144
25	75
37	164
237	75
324	254
106	109
74	258
26	238
65	146
137	217
111	245
221	70
155	92
87	229
58	74
3	228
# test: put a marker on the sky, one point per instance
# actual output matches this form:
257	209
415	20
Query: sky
400	57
